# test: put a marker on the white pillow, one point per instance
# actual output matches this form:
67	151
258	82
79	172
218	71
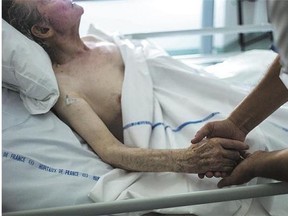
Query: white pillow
100	34
27	68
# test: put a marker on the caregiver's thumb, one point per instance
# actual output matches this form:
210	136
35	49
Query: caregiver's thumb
205	131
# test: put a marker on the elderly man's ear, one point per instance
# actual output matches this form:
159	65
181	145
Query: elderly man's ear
41	31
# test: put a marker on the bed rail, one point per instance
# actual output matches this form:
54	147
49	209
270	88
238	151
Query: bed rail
186	199
205	31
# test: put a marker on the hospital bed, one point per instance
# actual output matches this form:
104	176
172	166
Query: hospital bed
49	170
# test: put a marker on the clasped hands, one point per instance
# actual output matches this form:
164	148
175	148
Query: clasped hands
228	152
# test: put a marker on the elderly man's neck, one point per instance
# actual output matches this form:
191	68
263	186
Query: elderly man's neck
64	49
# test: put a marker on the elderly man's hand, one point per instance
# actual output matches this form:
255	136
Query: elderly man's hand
215	154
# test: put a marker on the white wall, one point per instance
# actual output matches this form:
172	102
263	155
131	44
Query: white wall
129	16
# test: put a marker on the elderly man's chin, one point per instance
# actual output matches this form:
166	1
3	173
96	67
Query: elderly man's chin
78	8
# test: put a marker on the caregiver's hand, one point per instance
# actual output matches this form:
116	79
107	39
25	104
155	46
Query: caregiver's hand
225	129
244	171
215	154
264	164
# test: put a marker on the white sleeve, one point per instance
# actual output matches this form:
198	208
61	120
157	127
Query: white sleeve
277	10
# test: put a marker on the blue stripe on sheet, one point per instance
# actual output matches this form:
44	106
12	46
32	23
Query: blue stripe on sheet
279	126
35	164
177	129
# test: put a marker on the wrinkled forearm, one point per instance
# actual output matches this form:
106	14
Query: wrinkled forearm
268	96
208	155
145	160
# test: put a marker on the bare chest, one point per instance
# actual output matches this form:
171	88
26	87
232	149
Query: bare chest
98	78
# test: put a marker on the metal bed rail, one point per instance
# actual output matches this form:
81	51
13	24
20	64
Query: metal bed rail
204	31
143	204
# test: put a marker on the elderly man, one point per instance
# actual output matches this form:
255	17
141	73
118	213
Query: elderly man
90	75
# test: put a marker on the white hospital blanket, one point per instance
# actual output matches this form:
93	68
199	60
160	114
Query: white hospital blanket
164	102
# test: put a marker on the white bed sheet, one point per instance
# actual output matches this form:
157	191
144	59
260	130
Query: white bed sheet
245	70
151	111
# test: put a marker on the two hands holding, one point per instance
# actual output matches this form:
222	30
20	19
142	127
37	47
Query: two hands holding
230	139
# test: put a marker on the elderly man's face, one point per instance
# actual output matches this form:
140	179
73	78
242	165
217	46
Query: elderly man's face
61	14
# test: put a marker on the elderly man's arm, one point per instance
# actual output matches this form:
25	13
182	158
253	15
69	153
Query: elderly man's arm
207	155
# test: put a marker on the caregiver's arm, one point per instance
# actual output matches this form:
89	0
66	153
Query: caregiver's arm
197	158
268	95
259	164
